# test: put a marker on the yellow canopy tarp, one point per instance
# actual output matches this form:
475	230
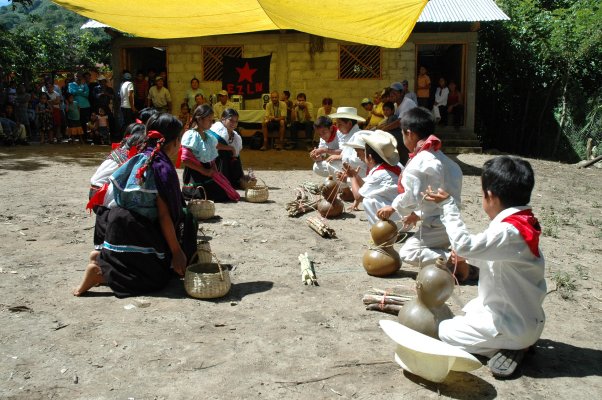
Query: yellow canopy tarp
385	23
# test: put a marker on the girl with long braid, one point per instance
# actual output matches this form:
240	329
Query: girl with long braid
199	154
147	231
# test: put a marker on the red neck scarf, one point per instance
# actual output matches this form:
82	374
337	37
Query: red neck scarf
393	168
528	227
333	134
432	143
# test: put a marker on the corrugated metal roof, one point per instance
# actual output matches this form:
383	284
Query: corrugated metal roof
461	11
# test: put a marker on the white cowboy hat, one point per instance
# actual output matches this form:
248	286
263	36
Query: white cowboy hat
357	141
426	357
347	113
384	144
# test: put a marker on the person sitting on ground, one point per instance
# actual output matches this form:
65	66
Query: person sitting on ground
15	130
379	187
507	316
427	166
223	102
275	119
199	154
302	115
145	114
159	96
148	235
329	143
229	146
347	125
345	176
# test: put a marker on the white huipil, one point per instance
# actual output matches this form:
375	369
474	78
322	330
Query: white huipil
507	313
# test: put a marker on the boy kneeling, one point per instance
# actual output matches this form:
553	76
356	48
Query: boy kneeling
507	316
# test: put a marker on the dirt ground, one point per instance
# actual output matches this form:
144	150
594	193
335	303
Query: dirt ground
271	337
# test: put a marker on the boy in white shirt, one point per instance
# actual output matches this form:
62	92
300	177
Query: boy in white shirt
427	166
379	187
507	316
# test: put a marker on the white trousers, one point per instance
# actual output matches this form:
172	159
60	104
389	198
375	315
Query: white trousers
460	332
428	243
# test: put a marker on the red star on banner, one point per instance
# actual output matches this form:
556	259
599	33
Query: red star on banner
245	73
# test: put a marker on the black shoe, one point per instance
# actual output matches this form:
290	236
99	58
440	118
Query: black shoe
504	363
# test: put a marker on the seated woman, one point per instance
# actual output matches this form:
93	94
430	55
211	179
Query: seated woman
229	145
199	152
148	233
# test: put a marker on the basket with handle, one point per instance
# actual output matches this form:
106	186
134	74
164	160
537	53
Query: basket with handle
258	193
203	251
201	208
207	280
247	182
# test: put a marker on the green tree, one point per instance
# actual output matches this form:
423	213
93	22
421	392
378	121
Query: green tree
538	77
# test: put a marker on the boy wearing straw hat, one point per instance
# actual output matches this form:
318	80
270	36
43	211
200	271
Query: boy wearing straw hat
427	166
379	187
507	313
346	122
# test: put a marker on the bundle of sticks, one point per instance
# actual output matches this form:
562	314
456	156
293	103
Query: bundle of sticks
305	201
320	227
388	301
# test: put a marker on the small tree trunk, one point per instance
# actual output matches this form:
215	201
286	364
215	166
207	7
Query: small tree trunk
562	113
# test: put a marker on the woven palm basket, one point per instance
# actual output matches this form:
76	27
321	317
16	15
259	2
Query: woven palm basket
207	280
258	193
202	208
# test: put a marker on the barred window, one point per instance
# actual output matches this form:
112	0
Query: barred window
213	63
360	62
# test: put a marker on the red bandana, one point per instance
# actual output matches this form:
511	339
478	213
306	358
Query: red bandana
529	228
431	143
333	134
98	198
393	168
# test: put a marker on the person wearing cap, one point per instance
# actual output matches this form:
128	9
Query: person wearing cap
404	104
373	119
128	107
379	188
223	102
159	96
407	93
347	125
301	118
275	119
428	166
191	93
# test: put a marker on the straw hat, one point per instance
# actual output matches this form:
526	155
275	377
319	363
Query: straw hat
347	113
424	356
222	93
357	141
384	144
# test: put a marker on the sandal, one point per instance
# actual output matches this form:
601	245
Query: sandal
504	363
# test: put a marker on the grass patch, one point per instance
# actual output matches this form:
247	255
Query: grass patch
565	285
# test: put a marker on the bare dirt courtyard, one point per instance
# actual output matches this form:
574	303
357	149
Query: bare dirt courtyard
271	337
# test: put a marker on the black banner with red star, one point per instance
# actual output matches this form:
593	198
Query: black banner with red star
249	77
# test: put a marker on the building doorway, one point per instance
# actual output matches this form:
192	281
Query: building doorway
444	60
143	59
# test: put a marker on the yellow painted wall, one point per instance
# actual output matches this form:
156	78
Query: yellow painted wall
291	68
